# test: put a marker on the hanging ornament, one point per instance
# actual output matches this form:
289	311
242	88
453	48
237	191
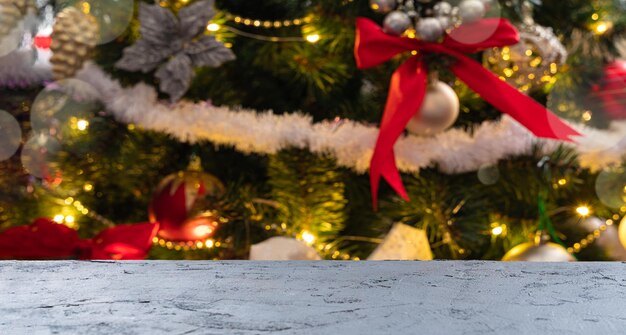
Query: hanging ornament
13	14
430	29
471	11
180	205
383	6
439	110
283	249
74	37
533	62
396	23
541	250
429	18
609	96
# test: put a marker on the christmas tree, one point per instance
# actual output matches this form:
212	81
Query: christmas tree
231	129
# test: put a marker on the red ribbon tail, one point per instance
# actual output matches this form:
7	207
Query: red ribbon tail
531	114
406	94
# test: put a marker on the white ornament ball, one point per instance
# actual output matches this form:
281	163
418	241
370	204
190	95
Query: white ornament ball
281	248
472	10
383	6
396	23
443	9
439	111
429	29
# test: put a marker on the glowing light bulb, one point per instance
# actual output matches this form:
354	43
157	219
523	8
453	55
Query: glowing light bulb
307	237
497	231
82	125
59	218
213	27
313	38
202	231
70	219
583	210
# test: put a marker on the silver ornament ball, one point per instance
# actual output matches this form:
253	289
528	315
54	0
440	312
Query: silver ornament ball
429	29
543	252
446	22
396	23
383	6
443	9
471	11
439	111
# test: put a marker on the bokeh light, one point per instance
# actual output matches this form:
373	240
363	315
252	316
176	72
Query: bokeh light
10	135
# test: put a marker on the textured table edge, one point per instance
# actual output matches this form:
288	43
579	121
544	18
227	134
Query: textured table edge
310	297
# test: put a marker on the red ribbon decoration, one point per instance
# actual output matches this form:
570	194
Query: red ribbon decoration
45	239
409	83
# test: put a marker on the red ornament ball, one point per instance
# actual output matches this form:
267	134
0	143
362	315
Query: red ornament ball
180	203
611	92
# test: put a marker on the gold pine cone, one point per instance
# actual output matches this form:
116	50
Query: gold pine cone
12	12
74	37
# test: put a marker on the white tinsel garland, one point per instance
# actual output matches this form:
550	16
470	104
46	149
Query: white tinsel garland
22	68
351	143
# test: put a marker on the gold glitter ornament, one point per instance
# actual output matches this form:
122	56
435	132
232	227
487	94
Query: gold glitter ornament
12	12
74	37
13	20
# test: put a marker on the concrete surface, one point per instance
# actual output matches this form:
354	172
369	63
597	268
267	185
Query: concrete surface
312	298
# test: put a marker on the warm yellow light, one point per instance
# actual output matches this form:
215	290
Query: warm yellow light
601	28
70	219
208	243
497	231
59	218
69	201
595	16
583	210
213	27
88	187
562	181
587	116
307	237
202	231
86	6
82	125
313	38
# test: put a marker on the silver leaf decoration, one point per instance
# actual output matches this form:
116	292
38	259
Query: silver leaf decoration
179	42
142	57
175	76
207	51
158	24
194	18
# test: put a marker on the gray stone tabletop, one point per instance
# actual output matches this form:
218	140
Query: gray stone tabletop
165	297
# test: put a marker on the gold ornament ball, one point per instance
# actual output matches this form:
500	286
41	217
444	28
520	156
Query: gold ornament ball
74	37
439	111
538	252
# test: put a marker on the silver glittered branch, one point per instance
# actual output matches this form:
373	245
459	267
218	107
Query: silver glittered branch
174	46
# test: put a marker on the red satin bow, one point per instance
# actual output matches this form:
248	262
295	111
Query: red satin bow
45	239
409	82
